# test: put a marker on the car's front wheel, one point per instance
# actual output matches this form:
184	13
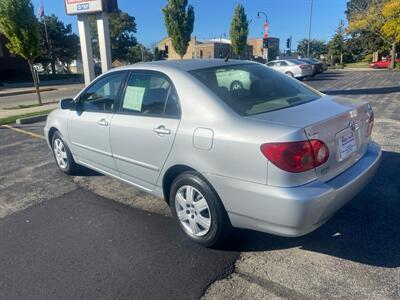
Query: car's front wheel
198	210
63	155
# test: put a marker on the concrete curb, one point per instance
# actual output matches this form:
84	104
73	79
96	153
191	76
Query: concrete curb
30	120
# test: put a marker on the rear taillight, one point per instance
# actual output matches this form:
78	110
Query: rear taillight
296	157
370	124
303	66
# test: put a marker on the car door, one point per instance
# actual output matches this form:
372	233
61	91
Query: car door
89	124
143	130
282	66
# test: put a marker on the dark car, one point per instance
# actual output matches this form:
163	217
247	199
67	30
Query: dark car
318	66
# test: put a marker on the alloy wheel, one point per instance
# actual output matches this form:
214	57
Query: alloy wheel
60	153
193	211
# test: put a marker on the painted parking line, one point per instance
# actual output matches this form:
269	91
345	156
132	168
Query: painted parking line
35	135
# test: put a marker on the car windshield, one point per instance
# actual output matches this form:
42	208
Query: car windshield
251	89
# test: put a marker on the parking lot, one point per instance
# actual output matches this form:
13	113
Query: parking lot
91	236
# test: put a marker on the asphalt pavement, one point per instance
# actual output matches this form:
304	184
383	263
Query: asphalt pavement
81	245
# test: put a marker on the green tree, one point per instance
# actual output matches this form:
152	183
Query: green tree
376	19
337	45
139	53
363	39
122	35
21	28
317	47
391	27
157	54
239	30
355	7
63	43
179	22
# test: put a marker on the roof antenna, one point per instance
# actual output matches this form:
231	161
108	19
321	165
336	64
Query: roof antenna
228	55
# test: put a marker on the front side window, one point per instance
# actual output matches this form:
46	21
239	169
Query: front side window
102	95
150	94
251	89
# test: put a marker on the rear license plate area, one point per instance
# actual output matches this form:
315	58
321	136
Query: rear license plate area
346	145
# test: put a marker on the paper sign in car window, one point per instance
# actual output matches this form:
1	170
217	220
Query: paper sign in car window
133	98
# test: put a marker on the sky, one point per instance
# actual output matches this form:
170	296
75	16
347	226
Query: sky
212	18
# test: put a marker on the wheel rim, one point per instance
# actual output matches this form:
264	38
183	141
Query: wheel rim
236	86
60	153
193	211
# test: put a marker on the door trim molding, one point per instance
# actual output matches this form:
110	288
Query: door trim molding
138	163
92	149
123	158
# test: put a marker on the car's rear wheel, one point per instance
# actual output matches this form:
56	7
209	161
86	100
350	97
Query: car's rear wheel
198	210
63	155
236	85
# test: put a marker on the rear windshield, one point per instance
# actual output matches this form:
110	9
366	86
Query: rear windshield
251	89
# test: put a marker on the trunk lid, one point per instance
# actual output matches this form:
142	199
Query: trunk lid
342	124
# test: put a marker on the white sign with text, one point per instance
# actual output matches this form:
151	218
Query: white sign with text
74	7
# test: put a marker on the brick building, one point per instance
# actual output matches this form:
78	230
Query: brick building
215	48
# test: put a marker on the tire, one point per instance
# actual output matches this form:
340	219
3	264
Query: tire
236	85
63	155
290	74
196	212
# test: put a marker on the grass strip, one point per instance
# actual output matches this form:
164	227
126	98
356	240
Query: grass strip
12	119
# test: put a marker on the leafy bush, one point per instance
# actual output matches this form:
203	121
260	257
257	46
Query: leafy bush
367	58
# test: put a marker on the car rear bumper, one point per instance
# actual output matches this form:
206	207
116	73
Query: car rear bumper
304	73
298	210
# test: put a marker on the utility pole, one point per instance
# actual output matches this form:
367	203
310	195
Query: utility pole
309	30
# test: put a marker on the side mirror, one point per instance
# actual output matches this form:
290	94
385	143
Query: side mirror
68	104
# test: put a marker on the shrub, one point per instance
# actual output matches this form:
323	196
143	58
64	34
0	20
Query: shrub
367	58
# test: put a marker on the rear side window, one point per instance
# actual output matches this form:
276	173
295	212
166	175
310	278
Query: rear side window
251	89
150	94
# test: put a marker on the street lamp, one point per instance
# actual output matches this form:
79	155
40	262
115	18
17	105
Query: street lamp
262	13
309	30
265	35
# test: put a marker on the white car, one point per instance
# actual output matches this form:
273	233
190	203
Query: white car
292	67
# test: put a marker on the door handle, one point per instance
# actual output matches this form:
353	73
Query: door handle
103	122
161	130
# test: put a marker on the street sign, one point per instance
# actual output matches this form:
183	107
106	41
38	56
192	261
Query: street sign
75	7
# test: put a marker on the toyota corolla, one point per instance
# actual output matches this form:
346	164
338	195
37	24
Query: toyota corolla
225	143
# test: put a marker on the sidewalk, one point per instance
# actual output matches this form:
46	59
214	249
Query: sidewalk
5	92
13	91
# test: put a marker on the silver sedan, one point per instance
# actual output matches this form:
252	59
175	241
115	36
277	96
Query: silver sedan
226	144
292	67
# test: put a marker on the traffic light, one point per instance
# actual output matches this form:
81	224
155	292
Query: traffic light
288	43
265	43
